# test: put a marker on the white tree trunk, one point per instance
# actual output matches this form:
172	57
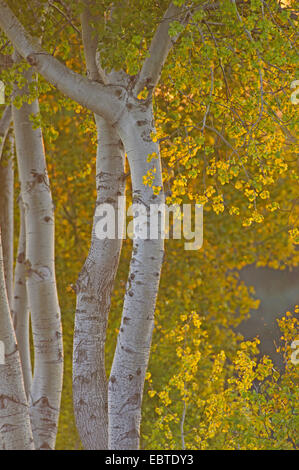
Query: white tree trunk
134	339
20	311
15	428
5	122
94	288
43	304
6	212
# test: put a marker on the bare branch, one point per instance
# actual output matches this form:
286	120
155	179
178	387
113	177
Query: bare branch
68	19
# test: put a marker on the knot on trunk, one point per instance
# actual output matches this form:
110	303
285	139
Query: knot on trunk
31	59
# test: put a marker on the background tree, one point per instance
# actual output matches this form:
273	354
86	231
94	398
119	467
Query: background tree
45	390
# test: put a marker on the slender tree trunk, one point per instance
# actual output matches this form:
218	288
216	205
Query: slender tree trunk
15	428
5	122
43	304
6	212
94	288
127	377
20	311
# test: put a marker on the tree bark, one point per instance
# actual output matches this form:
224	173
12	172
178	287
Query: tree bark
159	49
15	428
6	212
20	311
46	387
5	122
94	288
130	362
95	284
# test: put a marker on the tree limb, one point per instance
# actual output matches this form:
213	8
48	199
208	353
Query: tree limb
160	48
95	96
68	19
90	42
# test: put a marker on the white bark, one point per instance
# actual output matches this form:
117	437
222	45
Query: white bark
40	271
15	426
20	311
6	212
106	101
94	288
159	49
90	43
134	339
5	122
